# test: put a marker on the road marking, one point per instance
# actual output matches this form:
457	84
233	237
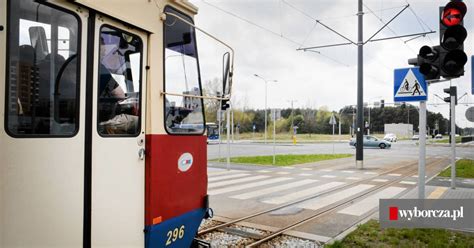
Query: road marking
437	193
264	171
346	171
330	199
303	193
394	175
328	176
380	180
224	183
305	174
247	186
371	202
283	173
213	179
272	189
408	182
216	172
326	170
352	178
289	168
307	169
370	173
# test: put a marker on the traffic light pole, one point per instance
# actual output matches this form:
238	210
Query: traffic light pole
422	151
360	90
453	141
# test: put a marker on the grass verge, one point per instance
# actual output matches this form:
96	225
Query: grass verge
371	235
446	141
464	169
285	160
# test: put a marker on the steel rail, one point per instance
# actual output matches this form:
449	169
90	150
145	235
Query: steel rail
339	204
302	200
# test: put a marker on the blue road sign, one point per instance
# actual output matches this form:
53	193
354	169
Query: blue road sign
409	85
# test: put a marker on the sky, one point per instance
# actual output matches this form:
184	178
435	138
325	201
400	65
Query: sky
265	35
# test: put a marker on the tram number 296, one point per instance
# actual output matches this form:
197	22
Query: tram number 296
175	234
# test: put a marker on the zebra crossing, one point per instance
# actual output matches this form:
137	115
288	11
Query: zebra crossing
275	188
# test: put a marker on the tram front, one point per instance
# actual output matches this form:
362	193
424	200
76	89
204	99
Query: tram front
102	131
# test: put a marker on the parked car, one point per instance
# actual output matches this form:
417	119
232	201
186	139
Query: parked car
438	136
415	137
371	141
390	137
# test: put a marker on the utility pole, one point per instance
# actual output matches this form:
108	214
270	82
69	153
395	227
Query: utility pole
266	86
360	89
360	63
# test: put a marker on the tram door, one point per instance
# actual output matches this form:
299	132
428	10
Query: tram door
118	135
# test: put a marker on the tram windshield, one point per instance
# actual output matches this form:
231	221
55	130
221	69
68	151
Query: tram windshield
183	114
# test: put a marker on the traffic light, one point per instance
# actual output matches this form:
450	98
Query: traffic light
452	34
452	91
225	104
428	61
382	103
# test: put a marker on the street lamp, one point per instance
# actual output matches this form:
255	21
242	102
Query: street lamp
266	82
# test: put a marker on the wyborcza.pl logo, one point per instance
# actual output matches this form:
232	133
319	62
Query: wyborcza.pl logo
440	213
409	214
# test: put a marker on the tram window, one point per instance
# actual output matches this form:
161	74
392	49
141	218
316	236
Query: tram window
43	70
183	115
119	83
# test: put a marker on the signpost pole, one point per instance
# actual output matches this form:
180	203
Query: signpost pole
274	133
422	152
333	125
219	121
453	141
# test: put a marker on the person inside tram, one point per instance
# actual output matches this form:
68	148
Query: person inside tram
112	119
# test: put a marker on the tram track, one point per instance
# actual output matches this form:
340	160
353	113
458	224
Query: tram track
336	206
342	187
328	209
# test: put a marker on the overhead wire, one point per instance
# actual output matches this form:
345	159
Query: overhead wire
268	30
391	30
318	21
421	22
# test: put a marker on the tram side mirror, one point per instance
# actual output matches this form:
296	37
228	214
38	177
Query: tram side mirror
226	77
39	41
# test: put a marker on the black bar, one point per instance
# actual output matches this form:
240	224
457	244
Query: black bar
87	240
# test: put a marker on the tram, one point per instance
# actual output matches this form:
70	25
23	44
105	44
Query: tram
102	135
212	133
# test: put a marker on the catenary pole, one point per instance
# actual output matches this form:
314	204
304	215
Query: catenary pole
360	90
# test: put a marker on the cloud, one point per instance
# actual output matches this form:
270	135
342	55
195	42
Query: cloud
331	79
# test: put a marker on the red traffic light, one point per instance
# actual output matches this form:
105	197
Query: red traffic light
453	13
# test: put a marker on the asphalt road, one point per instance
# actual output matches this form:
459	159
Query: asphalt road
399	150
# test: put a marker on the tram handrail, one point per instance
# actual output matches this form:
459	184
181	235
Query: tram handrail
195	96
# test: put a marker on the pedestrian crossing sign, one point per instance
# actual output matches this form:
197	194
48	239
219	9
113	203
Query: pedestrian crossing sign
410	85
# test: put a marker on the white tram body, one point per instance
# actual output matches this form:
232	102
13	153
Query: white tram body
93	149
